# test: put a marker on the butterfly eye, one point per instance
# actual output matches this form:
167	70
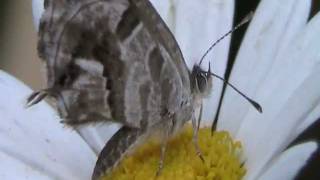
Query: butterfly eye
202	82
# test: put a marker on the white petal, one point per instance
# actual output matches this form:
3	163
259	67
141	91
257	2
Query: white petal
286	83
37	10
273	27
196	31
263	140
34	138
13	168
290	162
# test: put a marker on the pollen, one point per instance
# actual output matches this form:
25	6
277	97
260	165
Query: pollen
221	154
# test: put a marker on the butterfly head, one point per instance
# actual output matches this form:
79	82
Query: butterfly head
201	81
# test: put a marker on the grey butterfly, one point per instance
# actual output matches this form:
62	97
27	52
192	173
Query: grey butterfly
116	61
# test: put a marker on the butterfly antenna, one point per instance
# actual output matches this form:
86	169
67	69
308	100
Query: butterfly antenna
252	102
243	21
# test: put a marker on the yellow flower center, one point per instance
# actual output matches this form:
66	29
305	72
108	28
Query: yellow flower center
221	154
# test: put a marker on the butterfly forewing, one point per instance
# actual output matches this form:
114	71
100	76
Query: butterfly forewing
112	60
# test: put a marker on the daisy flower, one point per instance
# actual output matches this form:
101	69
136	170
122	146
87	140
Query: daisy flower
278	65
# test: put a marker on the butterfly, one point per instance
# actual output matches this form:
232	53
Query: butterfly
117	61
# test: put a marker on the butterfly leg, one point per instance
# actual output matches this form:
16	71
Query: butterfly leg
199	118
195	133
162	155
168	130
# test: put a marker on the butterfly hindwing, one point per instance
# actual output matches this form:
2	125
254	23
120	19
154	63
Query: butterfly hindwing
107	60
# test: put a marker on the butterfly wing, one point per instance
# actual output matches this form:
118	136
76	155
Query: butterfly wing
111	60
